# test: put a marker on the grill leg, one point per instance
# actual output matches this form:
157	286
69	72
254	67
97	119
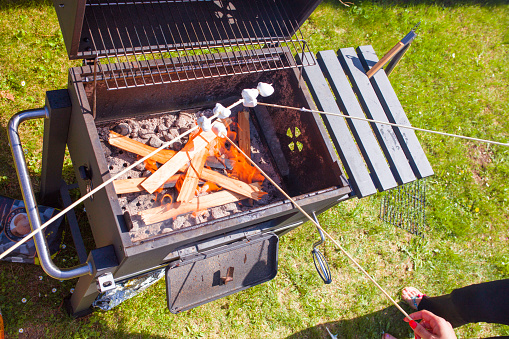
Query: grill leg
53	148
80	303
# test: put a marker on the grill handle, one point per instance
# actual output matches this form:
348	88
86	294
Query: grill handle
29	198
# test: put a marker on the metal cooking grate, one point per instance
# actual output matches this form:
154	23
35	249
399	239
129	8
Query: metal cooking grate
405	207
140	43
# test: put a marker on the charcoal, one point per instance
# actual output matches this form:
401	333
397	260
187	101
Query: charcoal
144	133
155	142
183	130
185	120
161	128
177	146
171	134
170	120
122	128
140	167
153	131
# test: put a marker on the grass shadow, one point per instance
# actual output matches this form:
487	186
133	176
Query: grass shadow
372	325
405	3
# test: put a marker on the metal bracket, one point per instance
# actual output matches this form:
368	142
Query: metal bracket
105	282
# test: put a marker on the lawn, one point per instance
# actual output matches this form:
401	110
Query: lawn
454	79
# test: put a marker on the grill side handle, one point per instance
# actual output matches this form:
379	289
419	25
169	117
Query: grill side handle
30	203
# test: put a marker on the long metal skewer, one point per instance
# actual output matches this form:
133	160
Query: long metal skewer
320	228
385	123
83	198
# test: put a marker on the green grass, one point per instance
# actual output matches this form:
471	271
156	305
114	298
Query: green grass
454	78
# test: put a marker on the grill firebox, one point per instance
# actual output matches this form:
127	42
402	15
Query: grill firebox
310	173
306	171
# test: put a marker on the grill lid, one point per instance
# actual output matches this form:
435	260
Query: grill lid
106	28
184	33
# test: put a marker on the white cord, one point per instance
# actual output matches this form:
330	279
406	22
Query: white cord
387	123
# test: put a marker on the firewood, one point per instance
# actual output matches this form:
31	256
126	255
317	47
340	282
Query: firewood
165	212
152	183
124	186
136	147
192	176
244	132
248	190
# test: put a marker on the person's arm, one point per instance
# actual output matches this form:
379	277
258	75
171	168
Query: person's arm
431	326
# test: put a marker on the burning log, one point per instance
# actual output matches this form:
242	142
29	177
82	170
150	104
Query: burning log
172	166
124	186
192	176
247	190
161	213
244	132
136	147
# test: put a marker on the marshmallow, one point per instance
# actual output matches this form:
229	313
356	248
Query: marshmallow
265	89
204	123
223	111
219	129
249	95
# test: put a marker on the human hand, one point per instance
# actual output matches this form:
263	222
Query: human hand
431	326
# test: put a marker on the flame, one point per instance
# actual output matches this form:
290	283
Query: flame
242	169
169	196
198	213
221	148
209	187
180	181
151	165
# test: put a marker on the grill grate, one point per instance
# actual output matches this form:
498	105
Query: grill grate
405	207
135	45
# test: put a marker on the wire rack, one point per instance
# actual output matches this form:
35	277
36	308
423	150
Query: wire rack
405	207
140	43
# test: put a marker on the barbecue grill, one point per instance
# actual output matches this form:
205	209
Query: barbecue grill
161	59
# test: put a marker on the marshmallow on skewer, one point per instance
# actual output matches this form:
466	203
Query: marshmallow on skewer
265	89
204	123
249	95
219	129
223	111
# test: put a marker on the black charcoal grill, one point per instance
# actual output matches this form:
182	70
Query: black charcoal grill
145	59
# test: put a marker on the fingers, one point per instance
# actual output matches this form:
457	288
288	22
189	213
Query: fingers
419	330
415	316
431	326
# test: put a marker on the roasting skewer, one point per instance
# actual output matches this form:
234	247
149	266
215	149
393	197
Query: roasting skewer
249	100
321	229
